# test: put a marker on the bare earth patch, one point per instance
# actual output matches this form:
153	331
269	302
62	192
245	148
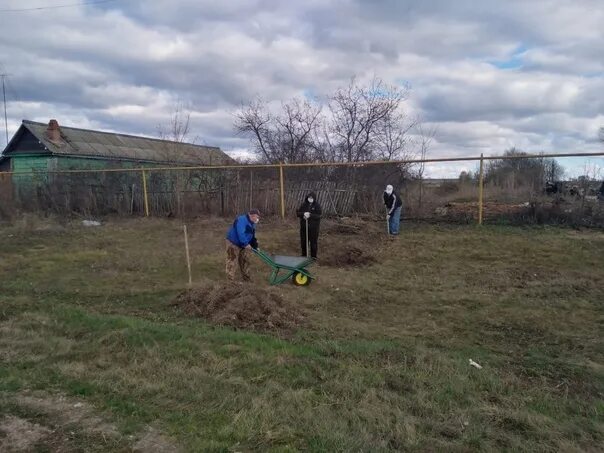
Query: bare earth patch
347	226
590	235
17	434
70	411
154	441
341	228
347	257
241	305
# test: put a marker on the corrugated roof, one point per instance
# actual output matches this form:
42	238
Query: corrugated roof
90	143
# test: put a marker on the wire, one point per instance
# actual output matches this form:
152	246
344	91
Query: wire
57	6
11	88
13	91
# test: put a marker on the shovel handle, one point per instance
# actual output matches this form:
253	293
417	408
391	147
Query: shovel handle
307	240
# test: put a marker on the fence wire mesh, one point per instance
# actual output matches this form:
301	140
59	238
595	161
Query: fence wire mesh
514	191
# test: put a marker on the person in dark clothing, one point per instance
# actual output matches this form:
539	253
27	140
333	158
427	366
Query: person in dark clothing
394	206
310	211
601	192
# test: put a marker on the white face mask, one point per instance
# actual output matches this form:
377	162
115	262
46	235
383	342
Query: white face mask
256	221
389	192
310	200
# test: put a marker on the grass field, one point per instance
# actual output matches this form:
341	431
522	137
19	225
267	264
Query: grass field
93	357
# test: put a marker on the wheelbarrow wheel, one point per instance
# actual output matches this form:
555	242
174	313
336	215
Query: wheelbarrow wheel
301	279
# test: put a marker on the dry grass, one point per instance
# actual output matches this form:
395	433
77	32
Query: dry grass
381	363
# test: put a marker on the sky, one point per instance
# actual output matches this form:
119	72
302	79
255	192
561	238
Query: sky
486	76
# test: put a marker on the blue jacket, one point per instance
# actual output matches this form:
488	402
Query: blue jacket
243	232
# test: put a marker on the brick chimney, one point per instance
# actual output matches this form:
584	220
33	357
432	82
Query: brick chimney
53	132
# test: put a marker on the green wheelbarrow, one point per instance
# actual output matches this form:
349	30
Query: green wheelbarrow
293	267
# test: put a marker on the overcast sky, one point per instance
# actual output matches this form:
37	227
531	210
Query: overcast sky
487	74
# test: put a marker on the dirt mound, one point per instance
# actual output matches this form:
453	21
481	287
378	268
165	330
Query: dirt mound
347	229
491	209
240	305
349	257
352	227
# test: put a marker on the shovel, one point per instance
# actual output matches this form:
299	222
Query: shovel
307	240
387	224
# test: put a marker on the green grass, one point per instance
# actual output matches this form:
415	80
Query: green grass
381	365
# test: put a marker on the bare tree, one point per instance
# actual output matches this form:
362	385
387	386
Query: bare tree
393	141
287	137
358	115
179	126
425	137
296	130
587	182
360	123
175	133
553	170
254	121
519	172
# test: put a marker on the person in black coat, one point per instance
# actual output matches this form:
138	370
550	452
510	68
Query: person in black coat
310	210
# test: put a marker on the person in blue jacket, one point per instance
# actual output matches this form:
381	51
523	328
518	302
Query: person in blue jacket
240	240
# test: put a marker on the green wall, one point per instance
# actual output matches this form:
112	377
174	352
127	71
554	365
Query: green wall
27	164
157	182
80	163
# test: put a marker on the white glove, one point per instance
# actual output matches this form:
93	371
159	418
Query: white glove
307	215
387	216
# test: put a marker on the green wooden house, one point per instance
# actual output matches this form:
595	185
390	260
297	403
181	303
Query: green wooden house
42	147
31	168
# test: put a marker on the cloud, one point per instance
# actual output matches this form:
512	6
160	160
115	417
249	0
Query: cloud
487	75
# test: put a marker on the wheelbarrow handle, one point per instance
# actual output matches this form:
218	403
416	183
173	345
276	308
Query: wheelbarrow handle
261	253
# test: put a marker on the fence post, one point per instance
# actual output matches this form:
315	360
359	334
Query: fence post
145	194
282	191
480	189
184	227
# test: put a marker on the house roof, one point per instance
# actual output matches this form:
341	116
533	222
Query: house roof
109	145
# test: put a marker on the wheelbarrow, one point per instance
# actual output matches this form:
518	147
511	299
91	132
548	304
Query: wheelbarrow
293	267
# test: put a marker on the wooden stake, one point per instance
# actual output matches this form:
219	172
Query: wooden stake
184	227
146	195
132	200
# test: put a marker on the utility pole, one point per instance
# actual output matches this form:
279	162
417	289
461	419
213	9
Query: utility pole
4	97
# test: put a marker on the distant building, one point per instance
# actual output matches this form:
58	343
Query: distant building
43	147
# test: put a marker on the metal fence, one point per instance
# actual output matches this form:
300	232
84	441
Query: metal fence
343	189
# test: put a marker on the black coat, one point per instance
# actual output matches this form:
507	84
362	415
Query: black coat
392	201
314	208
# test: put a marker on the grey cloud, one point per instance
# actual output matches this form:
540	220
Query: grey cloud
92	64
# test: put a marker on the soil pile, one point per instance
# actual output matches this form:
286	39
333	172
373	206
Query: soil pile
347	257
491	209
347	229
240	305
352	227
